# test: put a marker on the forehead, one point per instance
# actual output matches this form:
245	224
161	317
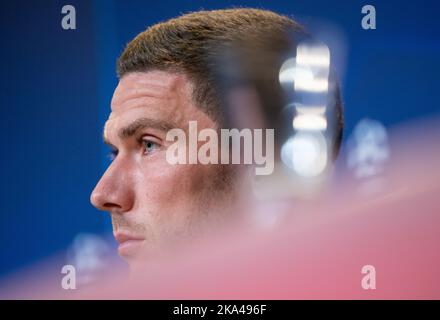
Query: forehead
157	95
158	85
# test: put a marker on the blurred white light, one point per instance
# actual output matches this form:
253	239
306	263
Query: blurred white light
305	153
309	122
312	85
315	58
309	70
89	254
310	109
290	73
368	148
313	55
287	70
303	78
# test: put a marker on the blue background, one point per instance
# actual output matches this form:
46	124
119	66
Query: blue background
56	86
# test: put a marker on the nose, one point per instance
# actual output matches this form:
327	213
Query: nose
114	190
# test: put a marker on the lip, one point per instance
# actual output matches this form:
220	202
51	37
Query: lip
129	245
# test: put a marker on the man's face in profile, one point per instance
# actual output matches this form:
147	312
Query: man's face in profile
150	201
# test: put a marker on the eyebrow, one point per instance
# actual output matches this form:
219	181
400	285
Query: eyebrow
140	124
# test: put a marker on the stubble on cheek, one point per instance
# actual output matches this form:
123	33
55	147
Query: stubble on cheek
183	204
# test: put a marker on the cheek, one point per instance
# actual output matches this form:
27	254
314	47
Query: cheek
160	184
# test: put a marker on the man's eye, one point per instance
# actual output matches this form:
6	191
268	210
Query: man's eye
149	146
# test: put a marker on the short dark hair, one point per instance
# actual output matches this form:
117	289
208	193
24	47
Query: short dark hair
191	43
